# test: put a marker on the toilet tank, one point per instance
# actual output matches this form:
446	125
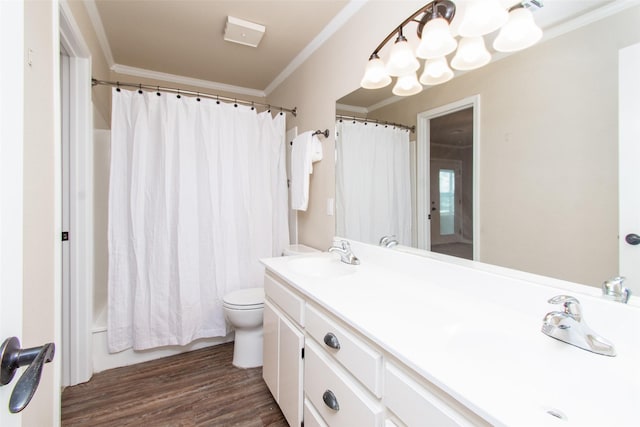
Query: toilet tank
298	250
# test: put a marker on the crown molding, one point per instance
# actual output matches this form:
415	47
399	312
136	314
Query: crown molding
334	25
587	18
352	108
96	21
189	81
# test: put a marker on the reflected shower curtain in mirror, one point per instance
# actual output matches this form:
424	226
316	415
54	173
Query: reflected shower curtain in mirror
373	183
197	195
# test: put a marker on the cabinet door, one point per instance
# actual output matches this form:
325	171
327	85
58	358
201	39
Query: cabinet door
270	349
290	375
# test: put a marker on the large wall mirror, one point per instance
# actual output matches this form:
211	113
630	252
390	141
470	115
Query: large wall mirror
538	177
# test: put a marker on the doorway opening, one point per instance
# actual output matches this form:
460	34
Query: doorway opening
447	179
77	201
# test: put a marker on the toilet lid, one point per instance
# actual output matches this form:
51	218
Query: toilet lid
245	297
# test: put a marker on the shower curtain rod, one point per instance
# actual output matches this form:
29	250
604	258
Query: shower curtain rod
140	86
377	122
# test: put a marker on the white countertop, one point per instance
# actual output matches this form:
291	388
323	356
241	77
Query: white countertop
474	331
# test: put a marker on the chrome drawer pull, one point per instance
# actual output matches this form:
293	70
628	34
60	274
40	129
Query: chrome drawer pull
332	341
330	400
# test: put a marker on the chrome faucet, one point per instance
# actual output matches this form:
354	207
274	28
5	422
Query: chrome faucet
569	326
613	289
343	248
388	241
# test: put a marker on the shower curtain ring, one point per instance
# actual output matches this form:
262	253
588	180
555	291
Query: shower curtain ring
178	94
158	91
235	102
198	97
140	88
117	86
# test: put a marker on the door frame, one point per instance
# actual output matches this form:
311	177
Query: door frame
423	224
77	291
629	153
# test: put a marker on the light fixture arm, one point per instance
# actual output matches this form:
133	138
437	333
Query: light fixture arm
428	10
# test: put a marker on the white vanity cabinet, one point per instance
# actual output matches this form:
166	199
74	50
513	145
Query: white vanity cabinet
348	379
283	349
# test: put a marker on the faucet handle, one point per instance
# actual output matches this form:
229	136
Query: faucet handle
345	245
571	305
614	289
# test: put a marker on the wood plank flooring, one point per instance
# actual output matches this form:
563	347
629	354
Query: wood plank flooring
199	388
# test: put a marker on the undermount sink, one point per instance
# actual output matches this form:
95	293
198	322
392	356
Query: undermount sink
323	266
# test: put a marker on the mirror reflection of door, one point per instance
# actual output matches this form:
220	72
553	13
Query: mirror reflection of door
446	202
451	183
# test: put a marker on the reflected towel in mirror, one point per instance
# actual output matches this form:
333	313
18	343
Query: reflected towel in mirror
306	149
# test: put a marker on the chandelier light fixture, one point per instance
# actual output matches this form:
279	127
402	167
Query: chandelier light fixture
444	29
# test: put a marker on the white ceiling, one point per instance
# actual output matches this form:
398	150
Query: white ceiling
185	37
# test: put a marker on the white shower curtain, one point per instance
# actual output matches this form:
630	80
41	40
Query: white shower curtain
373	182
197	195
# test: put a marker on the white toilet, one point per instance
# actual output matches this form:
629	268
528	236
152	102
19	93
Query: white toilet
244	311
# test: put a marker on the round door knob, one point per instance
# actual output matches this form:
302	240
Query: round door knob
632	239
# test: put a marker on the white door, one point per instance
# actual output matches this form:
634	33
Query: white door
446	203
290	372
11	146
629	172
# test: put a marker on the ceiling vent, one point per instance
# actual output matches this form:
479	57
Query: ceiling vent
243	32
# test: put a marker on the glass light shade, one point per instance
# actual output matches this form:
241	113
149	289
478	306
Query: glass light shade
436	71
482	17
471	54
518	33
375	75
436	40
407	85
402	61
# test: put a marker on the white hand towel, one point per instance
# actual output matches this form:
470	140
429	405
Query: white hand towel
301	155
316	150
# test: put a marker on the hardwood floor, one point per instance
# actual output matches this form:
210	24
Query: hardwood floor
199	388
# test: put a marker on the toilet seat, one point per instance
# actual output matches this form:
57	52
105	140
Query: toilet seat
244	299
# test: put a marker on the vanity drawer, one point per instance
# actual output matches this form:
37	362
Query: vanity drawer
290	303
325	381
311	416
360	360
415	405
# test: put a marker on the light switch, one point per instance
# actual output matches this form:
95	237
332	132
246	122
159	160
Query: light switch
330	206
